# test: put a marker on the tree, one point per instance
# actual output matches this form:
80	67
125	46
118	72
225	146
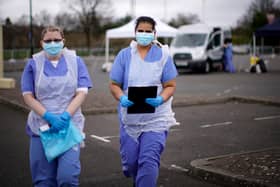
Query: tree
183	19
256	14
117	23
90	14
42	19
67	21
23	20
254	18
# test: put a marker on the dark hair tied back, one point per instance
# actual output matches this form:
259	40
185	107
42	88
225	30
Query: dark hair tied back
145	19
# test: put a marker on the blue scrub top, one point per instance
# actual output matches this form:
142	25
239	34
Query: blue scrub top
28	75
119	72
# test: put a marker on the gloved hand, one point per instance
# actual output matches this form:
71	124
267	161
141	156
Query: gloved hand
54	121
66	117
155	102
125	102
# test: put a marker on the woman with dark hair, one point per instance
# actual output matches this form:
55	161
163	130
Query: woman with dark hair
145	63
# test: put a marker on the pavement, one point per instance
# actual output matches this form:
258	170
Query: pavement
257	168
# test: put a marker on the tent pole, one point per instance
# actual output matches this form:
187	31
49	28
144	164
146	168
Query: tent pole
107	50
254	45
262	44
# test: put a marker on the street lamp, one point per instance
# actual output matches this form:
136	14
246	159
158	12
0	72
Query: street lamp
133	7
31	28
203	10
164	10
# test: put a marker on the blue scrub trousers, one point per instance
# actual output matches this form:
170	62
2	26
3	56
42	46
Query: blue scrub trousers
141	160
63	171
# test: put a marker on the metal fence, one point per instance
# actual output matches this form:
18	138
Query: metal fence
260	50
268	50
14	54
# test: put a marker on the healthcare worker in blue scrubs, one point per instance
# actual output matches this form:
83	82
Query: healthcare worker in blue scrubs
228	56
54	84
143	136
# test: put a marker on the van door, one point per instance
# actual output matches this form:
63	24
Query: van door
215	46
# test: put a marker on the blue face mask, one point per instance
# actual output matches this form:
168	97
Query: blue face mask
144	38
53	48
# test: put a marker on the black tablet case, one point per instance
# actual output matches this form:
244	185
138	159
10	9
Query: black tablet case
138	96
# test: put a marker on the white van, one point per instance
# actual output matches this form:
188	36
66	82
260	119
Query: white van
198	47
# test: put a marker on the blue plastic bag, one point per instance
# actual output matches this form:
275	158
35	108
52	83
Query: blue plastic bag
56	143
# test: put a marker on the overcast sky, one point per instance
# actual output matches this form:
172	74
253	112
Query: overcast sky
215	12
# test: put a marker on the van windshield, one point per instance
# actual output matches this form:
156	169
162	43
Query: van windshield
189	40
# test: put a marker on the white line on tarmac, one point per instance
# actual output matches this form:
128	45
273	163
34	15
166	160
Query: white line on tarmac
179	168
110	137
105	138
227	91
266	118
216	124
100	138
174	130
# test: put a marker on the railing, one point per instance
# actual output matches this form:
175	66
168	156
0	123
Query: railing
14	54
260	50
266	50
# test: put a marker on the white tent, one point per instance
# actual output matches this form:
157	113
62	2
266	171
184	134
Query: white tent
127	31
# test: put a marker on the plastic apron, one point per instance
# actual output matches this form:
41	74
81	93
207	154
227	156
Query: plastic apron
142	74
55	92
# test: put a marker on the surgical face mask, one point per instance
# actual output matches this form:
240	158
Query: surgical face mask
53	48
144	38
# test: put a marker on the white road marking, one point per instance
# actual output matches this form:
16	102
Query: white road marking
100	138
216	124
110	137
179	168
227	91
174	130
236	87
218	94
106	138
266	118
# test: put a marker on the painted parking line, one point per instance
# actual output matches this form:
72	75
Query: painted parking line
110	137
266	118
100	138
227	91
174	130
107	138
179	168
216	124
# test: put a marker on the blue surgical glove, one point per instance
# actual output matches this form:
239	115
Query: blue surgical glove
54	121
155	102
66	117
50	117
125	102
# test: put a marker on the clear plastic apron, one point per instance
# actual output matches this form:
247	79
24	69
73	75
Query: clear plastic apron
55	92
142	74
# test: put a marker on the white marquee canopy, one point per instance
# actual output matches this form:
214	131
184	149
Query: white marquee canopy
127	31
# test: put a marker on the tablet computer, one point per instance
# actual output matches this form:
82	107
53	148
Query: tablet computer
138	96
